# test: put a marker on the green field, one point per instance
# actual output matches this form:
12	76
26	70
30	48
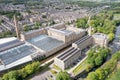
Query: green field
117	16
81	67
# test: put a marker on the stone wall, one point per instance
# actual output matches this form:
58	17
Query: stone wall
84	43
71	60
59	26
100	42
33	33
100	39
74	29
57	34
51	52
59	63
66	37
63	64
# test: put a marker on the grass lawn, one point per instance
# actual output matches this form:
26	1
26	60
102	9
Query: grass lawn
80	67
115	75
56	67
53	72
116	16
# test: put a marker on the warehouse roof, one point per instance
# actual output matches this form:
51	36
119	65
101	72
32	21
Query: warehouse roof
45	43
16	53
7	43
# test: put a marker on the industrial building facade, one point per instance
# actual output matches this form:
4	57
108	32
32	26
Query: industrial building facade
68	57
63	60
45	42
52	39
37	43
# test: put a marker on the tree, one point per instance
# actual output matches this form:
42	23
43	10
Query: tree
26	28
12	75
63	76
23	74
35	66
115	76
89	67
101	73
38	24
105	53
44	16
92	76
111	36
96	57
93	23
116	56
81	23
90	54
29	69
52	23
106	69
98	60
5	77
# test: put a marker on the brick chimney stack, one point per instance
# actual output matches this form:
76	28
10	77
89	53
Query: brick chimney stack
16	27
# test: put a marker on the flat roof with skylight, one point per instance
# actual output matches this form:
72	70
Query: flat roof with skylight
16	53
45	43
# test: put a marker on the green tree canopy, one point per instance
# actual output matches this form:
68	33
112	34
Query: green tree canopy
101	73
82	23
98	60
63	76
92	76
13	75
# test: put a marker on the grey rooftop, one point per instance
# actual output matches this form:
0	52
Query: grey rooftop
68	53
16	53
10	44
45	42
82	39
